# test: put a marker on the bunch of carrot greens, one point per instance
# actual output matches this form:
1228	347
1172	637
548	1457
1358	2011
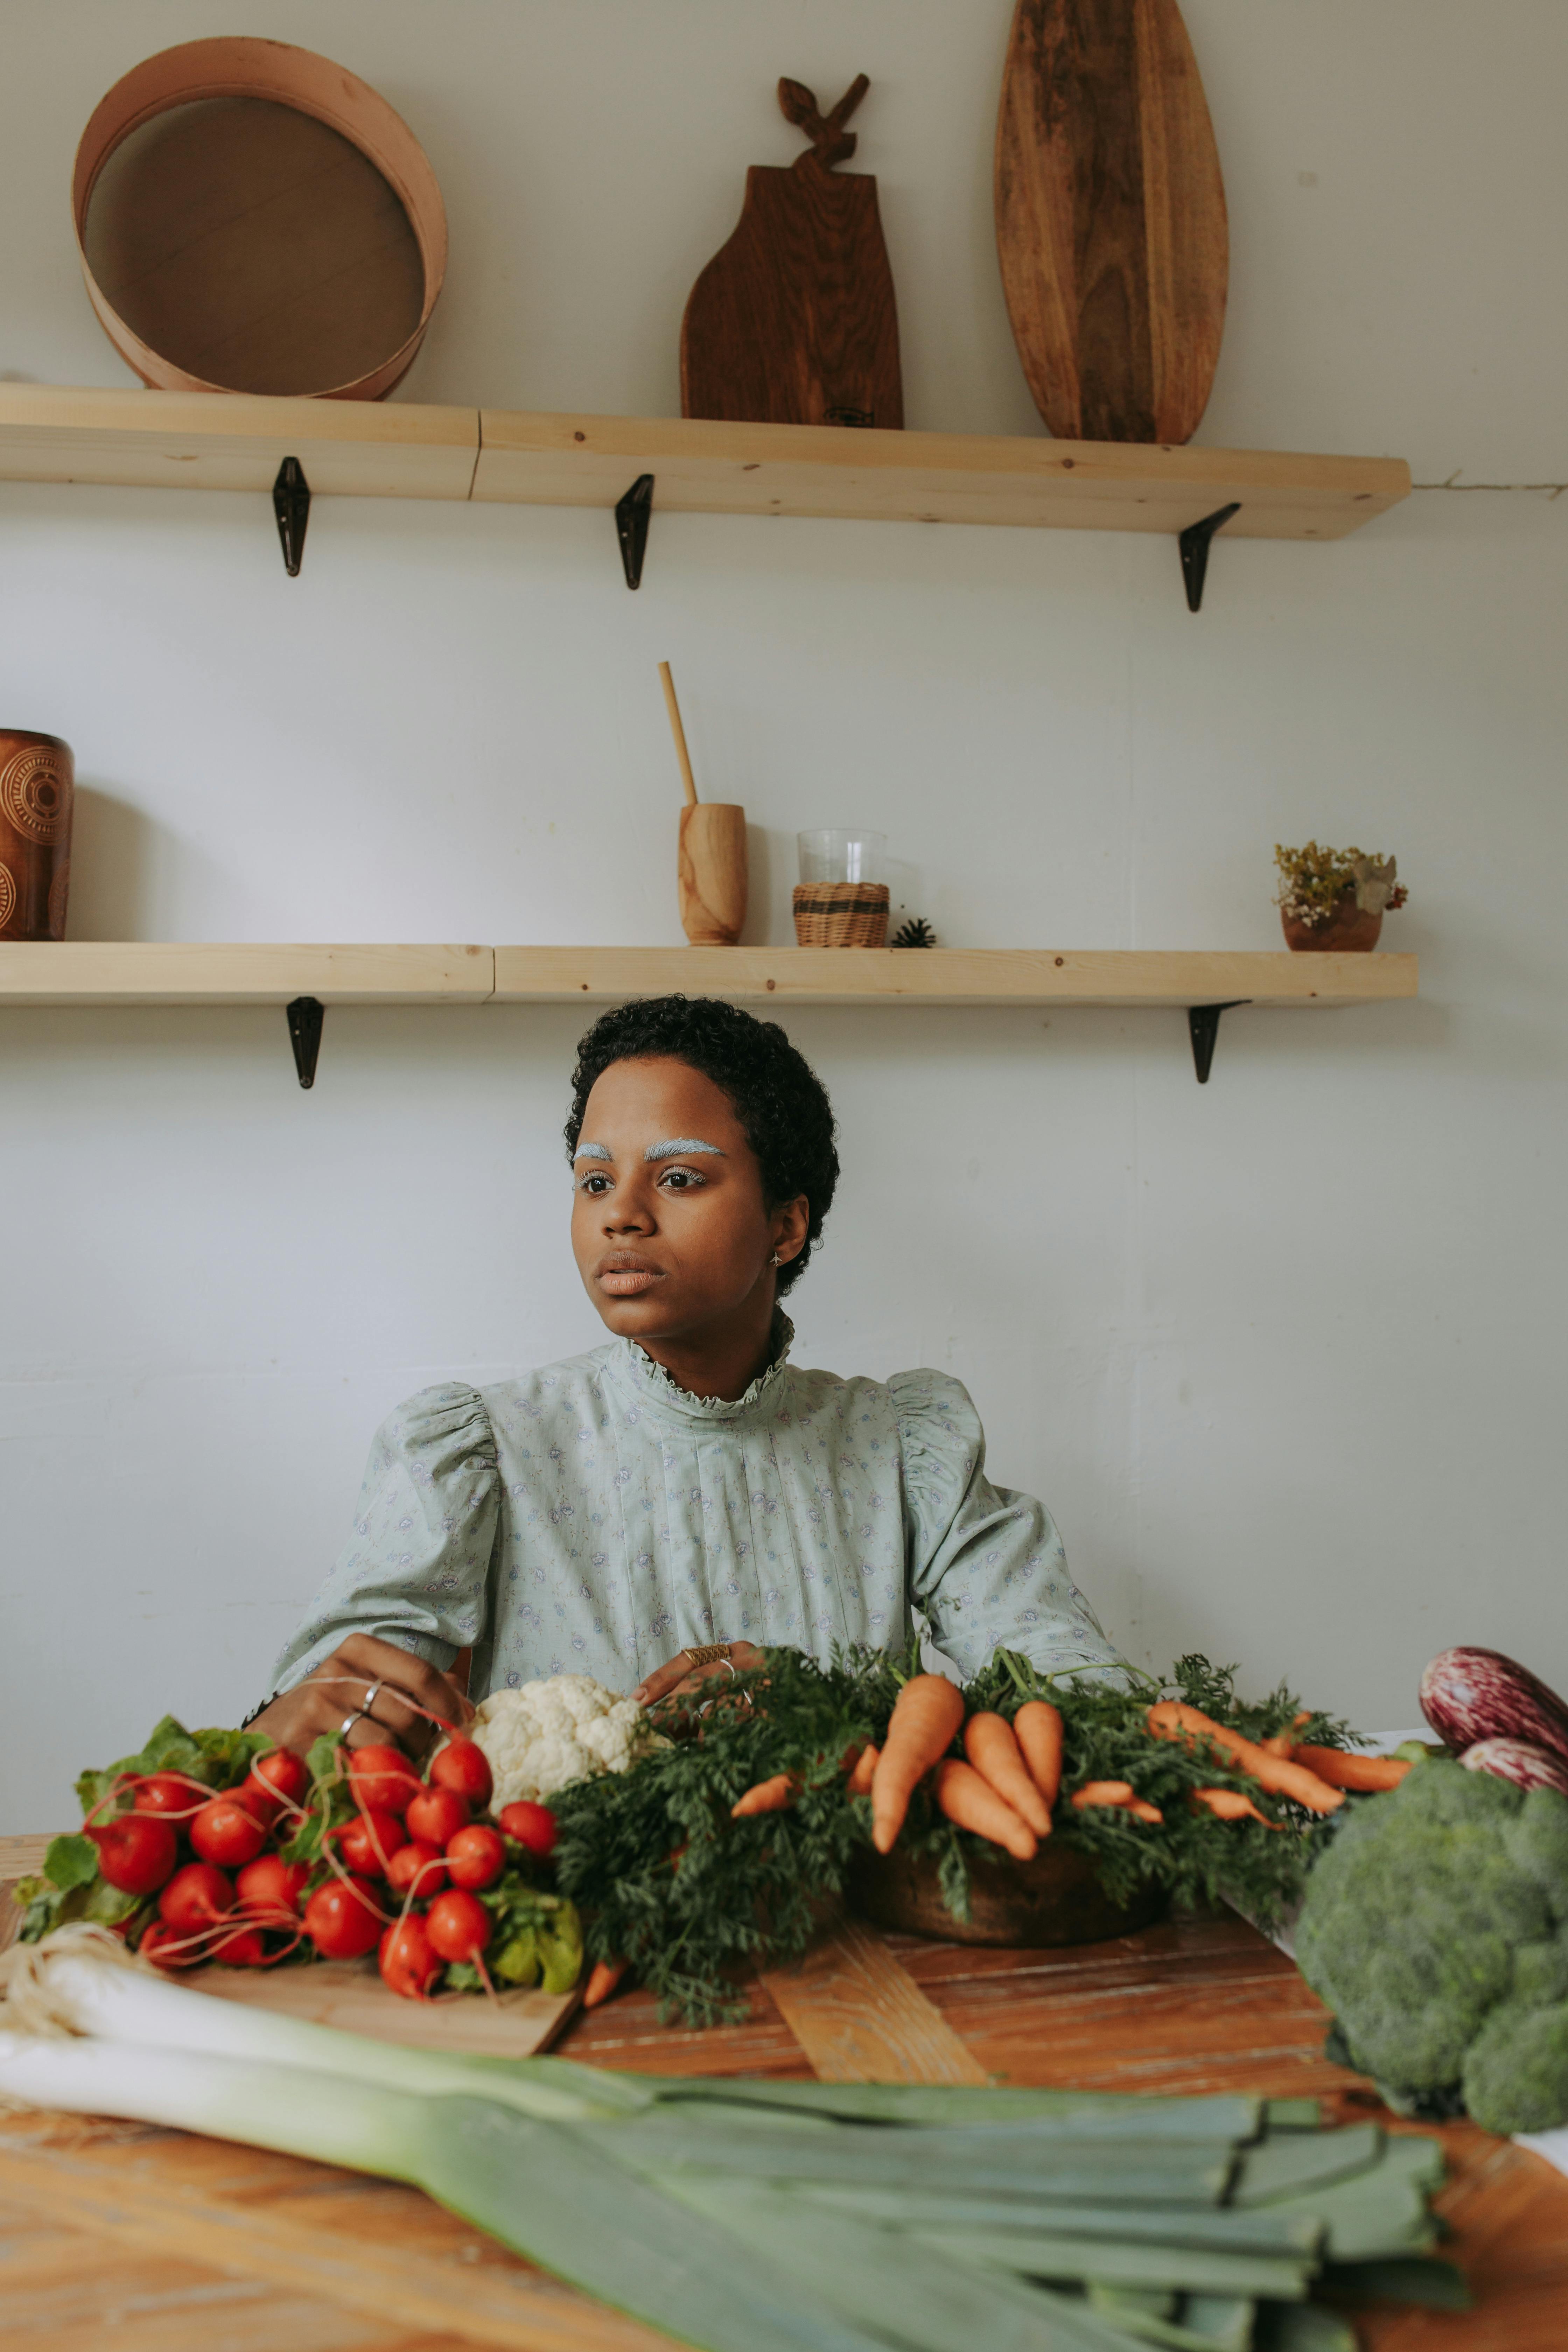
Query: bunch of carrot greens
718	1851
754	2217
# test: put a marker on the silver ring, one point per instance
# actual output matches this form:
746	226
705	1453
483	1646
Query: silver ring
352	1717
368	1702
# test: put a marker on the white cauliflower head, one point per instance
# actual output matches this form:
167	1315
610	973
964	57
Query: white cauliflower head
545	1735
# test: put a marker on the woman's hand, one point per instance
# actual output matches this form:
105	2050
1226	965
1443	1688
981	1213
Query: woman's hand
363	1669
678	1678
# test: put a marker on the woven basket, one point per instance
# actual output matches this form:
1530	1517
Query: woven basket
841	914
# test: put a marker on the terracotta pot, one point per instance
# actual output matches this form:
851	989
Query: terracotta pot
1056	1899
1349	930
37	790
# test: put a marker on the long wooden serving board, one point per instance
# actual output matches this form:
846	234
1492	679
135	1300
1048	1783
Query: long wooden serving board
1110	218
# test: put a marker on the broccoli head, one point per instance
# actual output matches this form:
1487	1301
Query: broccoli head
1436	1925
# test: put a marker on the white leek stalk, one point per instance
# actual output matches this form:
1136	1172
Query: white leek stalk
327	2116
82	1981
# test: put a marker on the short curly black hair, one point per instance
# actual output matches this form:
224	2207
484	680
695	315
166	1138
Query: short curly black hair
777	1096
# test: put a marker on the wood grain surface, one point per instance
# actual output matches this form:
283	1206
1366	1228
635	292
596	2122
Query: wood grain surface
95	2215
52	432
793	321
859	2017
1110	218
710	872
350	1996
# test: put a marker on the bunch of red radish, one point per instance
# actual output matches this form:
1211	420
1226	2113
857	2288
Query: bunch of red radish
226	1892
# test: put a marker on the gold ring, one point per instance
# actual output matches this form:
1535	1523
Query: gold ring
709	1653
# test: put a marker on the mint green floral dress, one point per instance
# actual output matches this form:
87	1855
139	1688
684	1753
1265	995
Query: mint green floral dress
594	1518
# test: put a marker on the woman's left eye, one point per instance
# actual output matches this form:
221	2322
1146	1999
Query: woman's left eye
681	1180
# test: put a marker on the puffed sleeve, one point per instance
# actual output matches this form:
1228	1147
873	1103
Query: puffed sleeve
985	1566
416	1569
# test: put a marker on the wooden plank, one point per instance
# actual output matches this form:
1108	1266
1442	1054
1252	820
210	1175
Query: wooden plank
64	2289
350	1996
52	432
706	467
860	2018
1111	219
309	2231
551	975
235	441
90	971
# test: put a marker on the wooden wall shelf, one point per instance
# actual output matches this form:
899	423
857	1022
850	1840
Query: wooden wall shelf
954	976
304	979
85	972
403	450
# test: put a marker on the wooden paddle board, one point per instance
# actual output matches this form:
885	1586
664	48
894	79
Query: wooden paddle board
793	321
1111	219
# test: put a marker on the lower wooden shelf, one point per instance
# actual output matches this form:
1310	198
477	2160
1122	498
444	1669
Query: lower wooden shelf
958	976
194	973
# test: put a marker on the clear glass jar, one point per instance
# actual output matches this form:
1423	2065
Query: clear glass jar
837	856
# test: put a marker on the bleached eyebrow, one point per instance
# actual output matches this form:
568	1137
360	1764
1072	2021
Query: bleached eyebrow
592	1152
679	1144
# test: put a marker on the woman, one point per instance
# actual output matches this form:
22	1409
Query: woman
684	1489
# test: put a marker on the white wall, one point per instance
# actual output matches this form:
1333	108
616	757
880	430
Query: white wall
1285	1354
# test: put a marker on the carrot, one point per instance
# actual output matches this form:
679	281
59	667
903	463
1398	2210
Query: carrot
859	1782
1342	1770
966	1796
927	1711
989	1744
774	1796
1283	1743
603	1979
1143	1811
1103	1792
1230	1805
1037	1728
1281	1775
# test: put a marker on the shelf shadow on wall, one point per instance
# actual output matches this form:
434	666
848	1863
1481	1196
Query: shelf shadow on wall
113	853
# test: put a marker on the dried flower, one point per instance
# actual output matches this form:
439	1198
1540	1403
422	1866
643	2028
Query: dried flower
1315	883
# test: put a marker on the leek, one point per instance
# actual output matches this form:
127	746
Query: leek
774	2218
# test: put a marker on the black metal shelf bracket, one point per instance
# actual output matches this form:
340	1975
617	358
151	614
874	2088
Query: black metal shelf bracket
632	514
1203	1020
1194	543
305	1016
291	505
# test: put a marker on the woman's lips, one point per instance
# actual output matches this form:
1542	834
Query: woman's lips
629	1281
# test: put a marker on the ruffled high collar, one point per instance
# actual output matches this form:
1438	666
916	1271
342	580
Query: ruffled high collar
652	1385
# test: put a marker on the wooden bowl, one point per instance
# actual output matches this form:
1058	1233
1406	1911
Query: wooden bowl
252	217
1056	1899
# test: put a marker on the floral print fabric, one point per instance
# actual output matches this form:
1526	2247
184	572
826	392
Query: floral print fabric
594	1518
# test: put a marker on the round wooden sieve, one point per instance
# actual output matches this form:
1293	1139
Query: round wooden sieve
252	217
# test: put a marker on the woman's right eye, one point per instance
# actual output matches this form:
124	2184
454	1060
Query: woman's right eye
594	1182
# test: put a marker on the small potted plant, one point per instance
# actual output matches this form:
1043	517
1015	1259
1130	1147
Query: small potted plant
1334	900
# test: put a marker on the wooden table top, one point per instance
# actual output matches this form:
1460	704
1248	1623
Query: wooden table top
170	2239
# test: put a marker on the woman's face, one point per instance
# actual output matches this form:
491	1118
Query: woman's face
669	1227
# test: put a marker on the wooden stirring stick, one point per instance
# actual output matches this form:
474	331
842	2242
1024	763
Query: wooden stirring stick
678	732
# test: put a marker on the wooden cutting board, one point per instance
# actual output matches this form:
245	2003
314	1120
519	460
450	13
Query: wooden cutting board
1111	219
793	321
350	1995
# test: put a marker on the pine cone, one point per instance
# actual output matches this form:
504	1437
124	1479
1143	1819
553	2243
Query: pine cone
916	933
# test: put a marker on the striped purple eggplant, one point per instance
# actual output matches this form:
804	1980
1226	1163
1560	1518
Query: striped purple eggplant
1472	1694
1527	1766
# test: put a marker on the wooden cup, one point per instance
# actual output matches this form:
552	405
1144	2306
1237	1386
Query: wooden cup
711	873
36	781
